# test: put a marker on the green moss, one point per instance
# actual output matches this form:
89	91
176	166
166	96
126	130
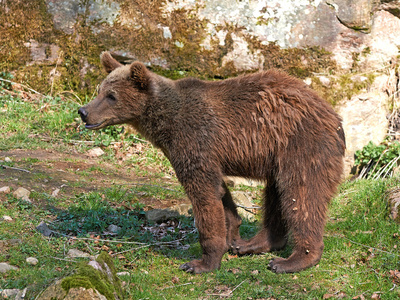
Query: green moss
299	62
87	277
341	87
79	66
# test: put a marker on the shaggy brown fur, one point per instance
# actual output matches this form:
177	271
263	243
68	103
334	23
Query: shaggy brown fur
267	126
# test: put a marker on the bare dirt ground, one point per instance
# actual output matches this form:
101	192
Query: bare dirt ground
44	171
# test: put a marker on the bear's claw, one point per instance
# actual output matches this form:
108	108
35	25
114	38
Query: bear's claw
187	268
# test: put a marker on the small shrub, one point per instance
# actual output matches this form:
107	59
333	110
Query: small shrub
377	161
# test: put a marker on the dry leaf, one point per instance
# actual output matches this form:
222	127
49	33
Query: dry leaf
175	280
395	275
375	296
234	270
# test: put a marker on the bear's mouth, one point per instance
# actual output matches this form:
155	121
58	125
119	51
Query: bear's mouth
94	126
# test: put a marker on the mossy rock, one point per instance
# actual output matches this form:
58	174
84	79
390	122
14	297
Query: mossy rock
95	280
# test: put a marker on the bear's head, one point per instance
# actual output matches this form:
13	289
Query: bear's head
122	95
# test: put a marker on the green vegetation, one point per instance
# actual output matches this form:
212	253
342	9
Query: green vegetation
377	161
361	257
86	276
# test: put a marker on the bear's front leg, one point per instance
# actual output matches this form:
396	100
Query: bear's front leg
210	221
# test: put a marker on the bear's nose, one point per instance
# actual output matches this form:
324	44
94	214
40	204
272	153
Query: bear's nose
83	113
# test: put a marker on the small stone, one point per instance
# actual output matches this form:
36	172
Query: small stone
123	274
160	215
7	218
22	193
5	189
77	253
308	81
113	228
32	261
55	193
325	81
9	293
7	159
44	229
4	267
95	152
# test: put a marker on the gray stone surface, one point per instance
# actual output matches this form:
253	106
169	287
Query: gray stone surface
364	120
245	206
160	215
336	25
5	267
22	193
44	229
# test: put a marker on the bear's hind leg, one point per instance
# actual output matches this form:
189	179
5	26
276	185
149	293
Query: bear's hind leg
306	219
273	234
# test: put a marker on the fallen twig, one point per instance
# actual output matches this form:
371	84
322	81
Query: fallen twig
12	168
376	249
24	86
108	241
69	260
174	286
230	293
154	244
248	207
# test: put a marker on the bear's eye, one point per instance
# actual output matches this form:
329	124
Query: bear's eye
111	97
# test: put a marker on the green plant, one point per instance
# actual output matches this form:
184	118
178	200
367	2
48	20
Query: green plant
378	160
5	84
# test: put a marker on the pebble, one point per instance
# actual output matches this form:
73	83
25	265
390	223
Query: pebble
5	189
7	159
77	253
113	228
9	293
22	193
95	152
4	267
55	193
7	218
44	229
123	274
32	261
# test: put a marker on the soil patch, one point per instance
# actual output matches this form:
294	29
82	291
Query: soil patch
44	171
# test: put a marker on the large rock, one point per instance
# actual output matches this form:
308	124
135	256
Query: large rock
95	281
383	42
226	36
355	14
245	206
364	120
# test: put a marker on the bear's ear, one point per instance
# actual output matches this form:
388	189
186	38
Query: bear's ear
109	63
140	75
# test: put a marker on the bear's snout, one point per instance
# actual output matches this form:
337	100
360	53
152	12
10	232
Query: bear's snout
83	113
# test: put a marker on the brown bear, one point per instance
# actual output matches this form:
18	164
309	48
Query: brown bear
268	126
